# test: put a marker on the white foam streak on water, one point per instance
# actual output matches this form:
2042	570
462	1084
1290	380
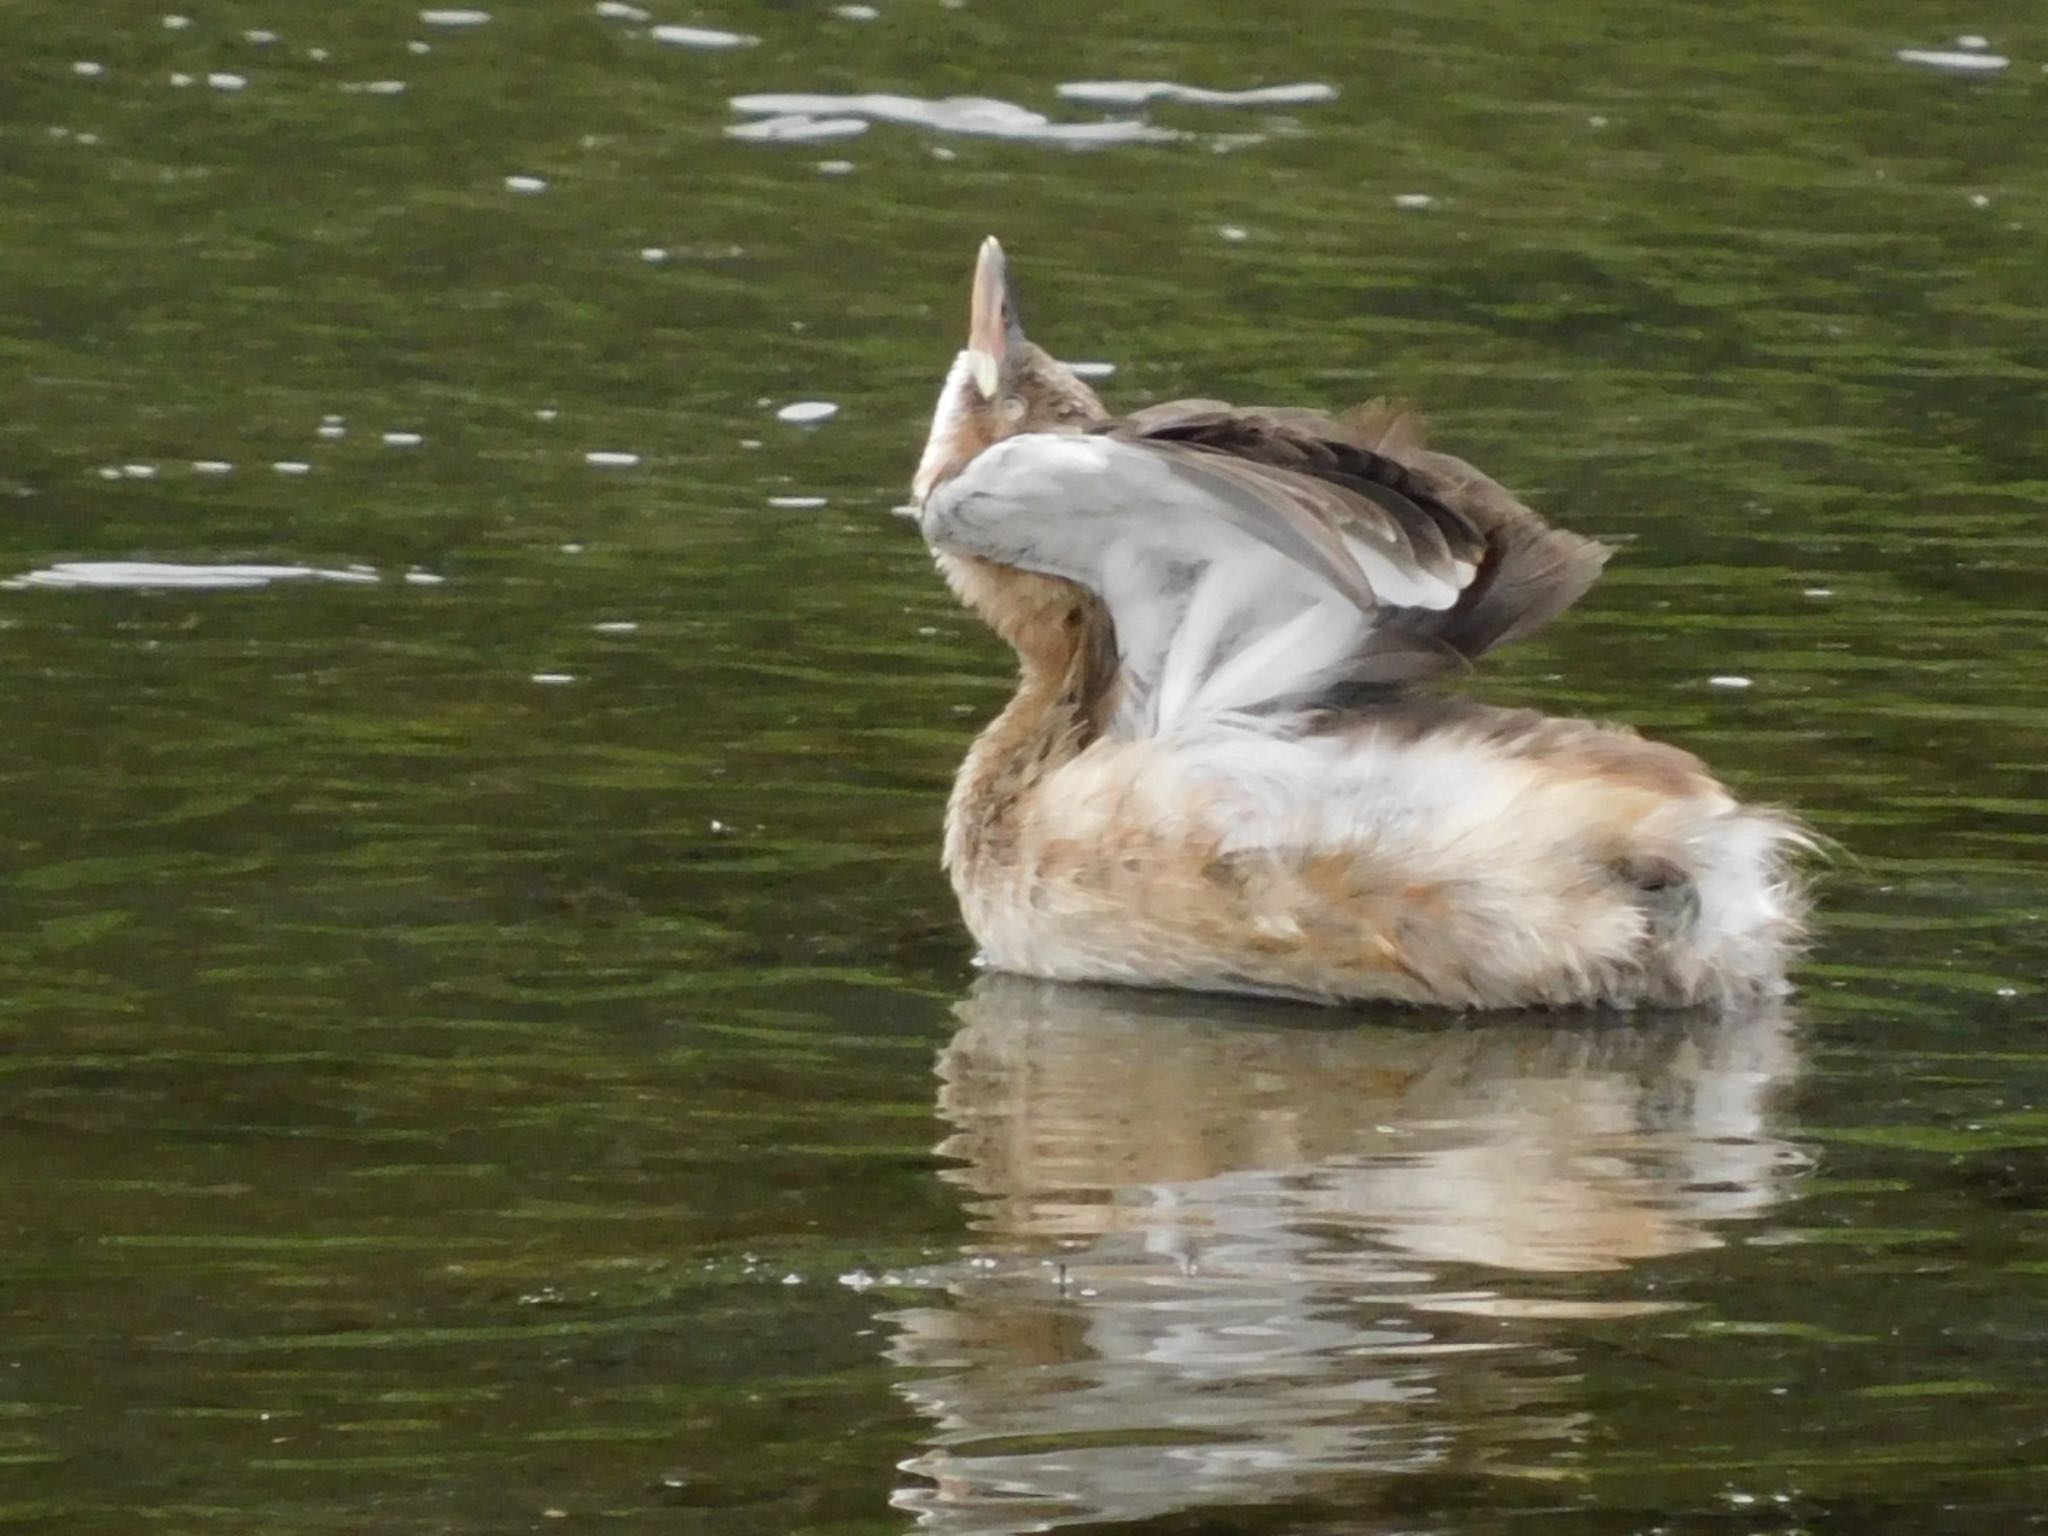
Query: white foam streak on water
701	37
1136	93
1936	58
977	116
1092	370
805	411
221	80
453	18
144	575
618	10
797	128
603	459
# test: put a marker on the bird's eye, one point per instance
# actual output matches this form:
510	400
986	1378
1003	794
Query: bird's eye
1013	407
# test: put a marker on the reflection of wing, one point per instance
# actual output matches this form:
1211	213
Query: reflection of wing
1259	558
1298	1254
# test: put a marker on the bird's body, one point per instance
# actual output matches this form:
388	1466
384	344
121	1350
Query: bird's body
1218	770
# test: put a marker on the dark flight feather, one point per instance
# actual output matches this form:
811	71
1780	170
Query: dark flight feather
1368	474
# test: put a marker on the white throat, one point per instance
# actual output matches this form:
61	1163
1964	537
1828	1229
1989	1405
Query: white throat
946	420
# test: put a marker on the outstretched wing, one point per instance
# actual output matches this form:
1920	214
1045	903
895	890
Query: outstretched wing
1253	560
1525	572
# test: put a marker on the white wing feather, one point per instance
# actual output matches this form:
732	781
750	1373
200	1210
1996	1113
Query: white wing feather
1222	602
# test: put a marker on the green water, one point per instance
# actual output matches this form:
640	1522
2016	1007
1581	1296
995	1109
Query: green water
437	1099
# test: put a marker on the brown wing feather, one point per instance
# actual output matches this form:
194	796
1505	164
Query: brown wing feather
1532	572
1373	478
1380	497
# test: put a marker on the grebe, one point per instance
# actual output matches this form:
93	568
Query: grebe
1221	769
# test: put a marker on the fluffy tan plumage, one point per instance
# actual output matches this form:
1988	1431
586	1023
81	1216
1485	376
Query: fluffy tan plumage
1218	770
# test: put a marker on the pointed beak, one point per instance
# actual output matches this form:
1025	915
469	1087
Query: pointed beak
993	332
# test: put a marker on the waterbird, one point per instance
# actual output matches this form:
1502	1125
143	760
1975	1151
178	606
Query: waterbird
1225	767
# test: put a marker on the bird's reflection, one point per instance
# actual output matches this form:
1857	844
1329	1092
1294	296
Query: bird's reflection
1233	1253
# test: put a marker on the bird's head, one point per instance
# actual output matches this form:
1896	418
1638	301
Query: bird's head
1001	385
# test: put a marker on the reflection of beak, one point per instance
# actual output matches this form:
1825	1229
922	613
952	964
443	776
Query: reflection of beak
991	319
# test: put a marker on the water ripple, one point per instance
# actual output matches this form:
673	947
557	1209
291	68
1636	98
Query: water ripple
1960	63
804	412
798	128
146	575
701	37
975	116
1138	93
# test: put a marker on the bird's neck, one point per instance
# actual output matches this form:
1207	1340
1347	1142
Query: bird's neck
1066	652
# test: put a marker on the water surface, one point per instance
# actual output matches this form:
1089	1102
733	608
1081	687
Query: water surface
486	1044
